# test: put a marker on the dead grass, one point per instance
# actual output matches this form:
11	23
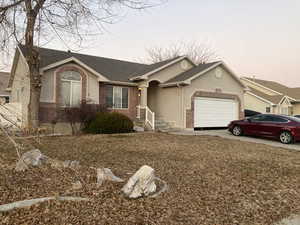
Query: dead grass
212	181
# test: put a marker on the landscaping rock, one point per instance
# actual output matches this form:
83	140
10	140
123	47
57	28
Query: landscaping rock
71	164
30	158
142	183
77	185
106	174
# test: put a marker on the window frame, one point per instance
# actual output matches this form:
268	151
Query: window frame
71	89
268	109
113	97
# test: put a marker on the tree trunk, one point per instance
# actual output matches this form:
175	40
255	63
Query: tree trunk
33	62
34	106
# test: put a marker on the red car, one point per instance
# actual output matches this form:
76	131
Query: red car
284	128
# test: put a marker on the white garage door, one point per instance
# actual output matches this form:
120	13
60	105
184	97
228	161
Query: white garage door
214	112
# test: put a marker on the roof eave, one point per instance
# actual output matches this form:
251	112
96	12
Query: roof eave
146	75
120	83
173	84
260	85
261	98
79	62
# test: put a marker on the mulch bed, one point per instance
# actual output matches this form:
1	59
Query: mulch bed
211	181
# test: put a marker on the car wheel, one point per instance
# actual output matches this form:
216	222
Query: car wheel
286	137
237	131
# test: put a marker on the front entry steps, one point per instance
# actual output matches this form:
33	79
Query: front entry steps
160	126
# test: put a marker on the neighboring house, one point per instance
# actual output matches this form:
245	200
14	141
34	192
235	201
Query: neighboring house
4	94
176	91
271	97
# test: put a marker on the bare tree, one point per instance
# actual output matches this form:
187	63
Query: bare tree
32	21
199	53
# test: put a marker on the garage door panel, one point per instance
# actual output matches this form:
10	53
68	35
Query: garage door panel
211	112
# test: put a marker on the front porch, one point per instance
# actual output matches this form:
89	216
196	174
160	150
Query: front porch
148	111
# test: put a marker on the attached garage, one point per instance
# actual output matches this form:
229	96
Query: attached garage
214	112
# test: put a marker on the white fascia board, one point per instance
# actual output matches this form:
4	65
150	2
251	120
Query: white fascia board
290	98
53	65
253	82
285	98
119	83
145	76
174	84
261	98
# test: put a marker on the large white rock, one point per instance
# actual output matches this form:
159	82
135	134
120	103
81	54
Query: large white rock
30	158
142	183
106	174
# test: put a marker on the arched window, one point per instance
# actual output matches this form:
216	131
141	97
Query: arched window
70	88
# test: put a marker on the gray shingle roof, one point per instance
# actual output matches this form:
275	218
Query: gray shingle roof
112	69
275	99
190	73
291	92
4	78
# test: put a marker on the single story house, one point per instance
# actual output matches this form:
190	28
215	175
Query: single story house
176	91
271	97
4	94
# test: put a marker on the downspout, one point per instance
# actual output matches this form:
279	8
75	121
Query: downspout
181	109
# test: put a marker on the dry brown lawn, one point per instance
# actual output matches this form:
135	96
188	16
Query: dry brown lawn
211	181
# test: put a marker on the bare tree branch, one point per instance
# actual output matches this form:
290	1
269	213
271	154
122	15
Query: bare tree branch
199	53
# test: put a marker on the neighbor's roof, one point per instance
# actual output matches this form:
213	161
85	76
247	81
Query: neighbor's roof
4	78
291	92
190	73
275	99
112	69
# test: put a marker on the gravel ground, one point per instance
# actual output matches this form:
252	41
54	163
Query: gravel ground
212	181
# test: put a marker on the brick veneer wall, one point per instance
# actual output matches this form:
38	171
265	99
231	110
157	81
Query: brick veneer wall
190	112
53	111
133	99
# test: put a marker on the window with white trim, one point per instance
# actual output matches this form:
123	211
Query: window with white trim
70	88
284	110
268	109
116	97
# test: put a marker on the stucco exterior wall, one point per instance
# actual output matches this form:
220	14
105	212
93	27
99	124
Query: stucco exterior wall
255	104
259	88
92	89
169	72
48	87
296	109
166	103
21	88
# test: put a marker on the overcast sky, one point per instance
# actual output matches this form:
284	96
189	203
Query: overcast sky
258	38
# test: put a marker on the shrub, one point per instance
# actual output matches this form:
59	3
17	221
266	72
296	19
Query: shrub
80	117
110	123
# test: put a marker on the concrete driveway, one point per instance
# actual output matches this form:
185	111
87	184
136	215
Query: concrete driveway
228	135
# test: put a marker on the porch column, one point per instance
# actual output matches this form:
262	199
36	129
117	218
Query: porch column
143	96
